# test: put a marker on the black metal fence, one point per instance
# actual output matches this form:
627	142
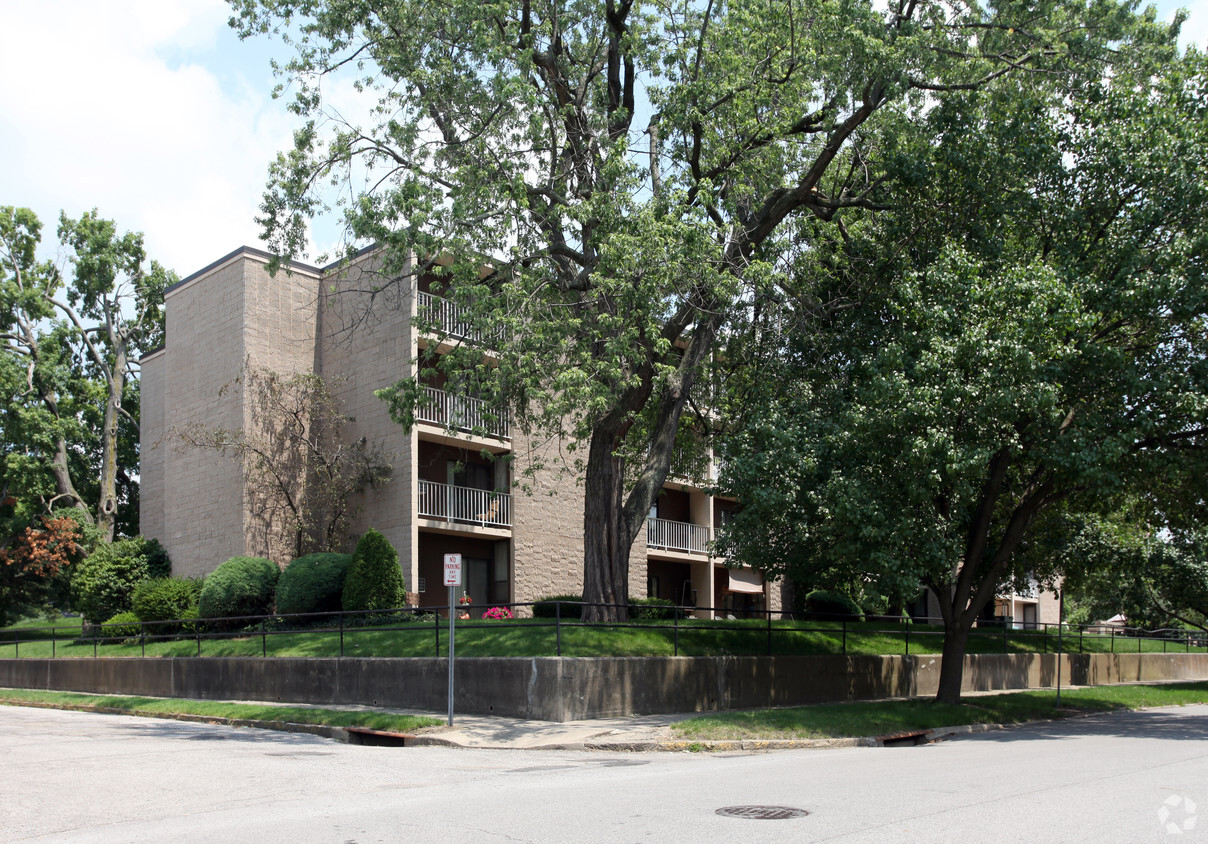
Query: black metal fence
564	618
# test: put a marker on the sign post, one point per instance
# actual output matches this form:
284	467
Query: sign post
452	580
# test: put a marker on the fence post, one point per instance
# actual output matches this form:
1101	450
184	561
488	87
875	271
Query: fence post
907	638
436	629
16	647
1004	634
1081	630
341	634
1113	632
844	623
769	632
676	629
198	634
142	636
94	637
53	630
558	626
263	638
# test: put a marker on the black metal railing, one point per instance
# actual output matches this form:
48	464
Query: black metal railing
679	626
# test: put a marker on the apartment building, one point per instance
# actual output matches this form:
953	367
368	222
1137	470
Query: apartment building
450	491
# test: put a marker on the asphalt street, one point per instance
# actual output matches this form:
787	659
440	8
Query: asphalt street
69	776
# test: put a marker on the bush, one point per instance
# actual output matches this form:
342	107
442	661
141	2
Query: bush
546	607
374	580
103	583
314	583
651	609
158	564
823	605
166	599
124	625
240	586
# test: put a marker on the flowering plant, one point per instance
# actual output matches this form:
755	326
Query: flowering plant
465	599
498	613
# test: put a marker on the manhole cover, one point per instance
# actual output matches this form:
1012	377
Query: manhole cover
762	813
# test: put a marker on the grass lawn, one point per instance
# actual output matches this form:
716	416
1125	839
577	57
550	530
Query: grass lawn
883	717
538	637
218	709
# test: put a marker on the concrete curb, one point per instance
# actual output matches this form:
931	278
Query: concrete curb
642	745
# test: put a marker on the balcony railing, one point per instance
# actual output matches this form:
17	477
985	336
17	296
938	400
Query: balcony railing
445	317
667	535
460	413
464	505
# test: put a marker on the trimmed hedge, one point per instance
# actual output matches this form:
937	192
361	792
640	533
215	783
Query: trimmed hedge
651	609
124	625
103	583
240	586
823	605
167	599
546	607
314	583
374	580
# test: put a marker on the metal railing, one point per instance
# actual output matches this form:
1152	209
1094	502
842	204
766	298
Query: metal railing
763	632
461	413
667	535
465	505
446	317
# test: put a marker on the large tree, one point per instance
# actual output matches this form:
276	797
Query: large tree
633	173
1039	346
76	332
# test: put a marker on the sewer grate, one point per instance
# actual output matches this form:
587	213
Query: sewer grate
762	813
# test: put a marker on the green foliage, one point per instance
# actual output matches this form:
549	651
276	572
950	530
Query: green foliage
651	609
76	331
1039	347
104	582
627	241
166	599
158	563
548	607
240	586
123	625
314	583
824	605
374	580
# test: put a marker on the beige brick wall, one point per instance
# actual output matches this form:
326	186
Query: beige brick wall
151	431
357	357
233	312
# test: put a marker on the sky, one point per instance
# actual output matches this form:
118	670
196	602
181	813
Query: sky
156	114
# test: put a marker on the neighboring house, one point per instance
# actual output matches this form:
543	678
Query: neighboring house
444	495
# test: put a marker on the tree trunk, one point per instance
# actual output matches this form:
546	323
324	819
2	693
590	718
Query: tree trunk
107	505
607	535
952	667
64	488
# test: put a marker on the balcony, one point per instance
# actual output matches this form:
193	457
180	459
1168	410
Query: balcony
464	505
685	538
460	413
445	318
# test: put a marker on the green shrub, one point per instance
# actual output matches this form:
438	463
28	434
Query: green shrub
314	583
547	608
103	583
124	625
824	605
651	609
158	564
374	580
240	586
166	599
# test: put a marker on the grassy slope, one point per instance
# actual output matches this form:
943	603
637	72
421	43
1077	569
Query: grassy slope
884	717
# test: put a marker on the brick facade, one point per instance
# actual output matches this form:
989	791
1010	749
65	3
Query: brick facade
354	326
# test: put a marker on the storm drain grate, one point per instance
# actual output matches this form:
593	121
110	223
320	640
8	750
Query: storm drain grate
762	813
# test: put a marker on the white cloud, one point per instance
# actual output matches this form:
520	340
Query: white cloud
146	110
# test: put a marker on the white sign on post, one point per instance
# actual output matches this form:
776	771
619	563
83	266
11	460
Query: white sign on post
452	578
452	569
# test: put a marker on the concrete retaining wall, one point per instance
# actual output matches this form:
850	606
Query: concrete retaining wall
572	688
